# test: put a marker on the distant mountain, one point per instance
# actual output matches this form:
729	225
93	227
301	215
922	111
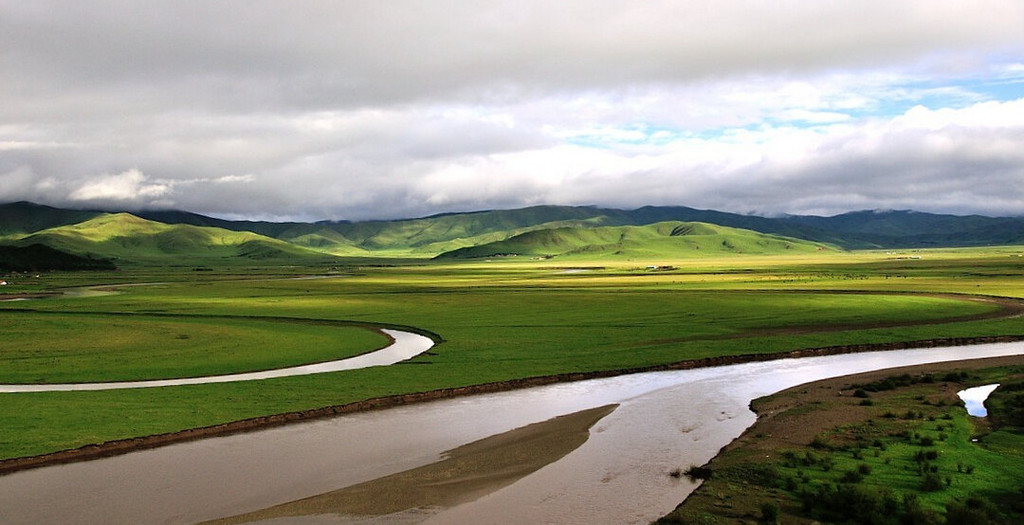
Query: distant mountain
26	217
160	234
910	229
671	239
441	233
426	236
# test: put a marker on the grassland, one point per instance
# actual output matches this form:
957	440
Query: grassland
499	320
672	239
879	448
119	347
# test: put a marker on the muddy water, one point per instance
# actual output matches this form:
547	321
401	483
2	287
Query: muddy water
620	474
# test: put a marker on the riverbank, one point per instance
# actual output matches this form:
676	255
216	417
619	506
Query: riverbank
123	446
845	435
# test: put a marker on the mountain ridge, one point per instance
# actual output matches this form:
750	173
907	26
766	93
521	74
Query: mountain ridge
862	229
167	232
674	239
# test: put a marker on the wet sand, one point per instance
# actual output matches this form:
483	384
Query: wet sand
466	473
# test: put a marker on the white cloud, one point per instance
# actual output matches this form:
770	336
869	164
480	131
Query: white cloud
361	110
131	186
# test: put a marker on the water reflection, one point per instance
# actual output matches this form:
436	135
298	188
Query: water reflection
974	399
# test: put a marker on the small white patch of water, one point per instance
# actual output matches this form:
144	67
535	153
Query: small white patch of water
974	399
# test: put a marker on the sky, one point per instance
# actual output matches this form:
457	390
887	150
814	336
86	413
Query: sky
345	110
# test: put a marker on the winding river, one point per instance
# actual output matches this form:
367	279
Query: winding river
404	345
617	440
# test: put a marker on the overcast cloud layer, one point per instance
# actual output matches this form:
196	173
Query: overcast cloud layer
357	110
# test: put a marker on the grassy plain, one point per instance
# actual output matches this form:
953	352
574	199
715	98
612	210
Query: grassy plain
119	347
499	320
884	447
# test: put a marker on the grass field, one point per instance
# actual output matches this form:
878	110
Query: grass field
499	320
877	449
119	347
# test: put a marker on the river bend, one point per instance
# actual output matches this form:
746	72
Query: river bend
404	345
663	421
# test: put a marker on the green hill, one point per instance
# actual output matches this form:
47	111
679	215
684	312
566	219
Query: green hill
422	237
441	233
429	236
19	218
122	236
40	258
672	239
535	231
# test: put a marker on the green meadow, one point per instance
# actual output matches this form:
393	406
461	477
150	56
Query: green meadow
494	319
119	347
899	449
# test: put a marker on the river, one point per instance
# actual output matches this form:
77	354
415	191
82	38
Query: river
403	346
663	421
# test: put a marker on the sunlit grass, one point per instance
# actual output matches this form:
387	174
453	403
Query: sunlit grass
500	320
48	348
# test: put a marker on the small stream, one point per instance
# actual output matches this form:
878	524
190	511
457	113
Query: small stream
663	421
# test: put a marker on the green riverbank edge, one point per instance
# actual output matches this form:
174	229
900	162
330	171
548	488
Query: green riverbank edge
885	447
123	446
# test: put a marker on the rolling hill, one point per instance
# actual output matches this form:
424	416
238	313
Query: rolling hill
423	237
125	237
441	233
535	231
40	258
672	239
20	218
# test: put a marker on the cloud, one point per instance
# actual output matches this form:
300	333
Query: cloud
353	110
130	185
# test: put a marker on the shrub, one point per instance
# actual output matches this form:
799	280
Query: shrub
820	443
770	512
851	476
974	511
852	504
932	483
696	472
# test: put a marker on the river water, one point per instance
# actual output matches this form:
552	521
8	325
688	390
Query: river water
664	421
